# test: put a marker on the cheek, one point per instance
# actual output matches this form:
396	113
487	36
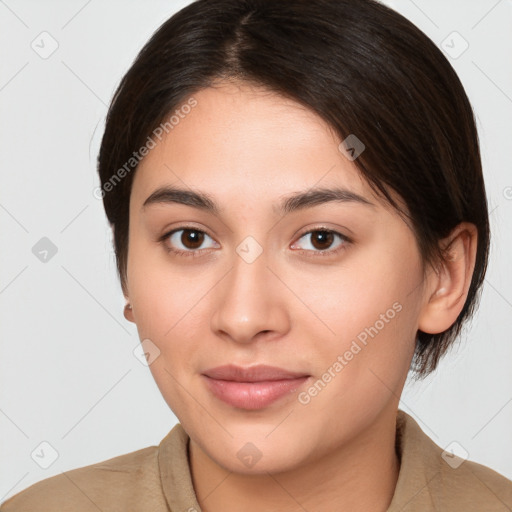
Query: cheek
171	311
369	292
371	315
162	293
171	308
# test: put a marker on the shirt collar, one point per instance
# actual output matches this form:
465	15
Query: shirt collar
419	464
175	475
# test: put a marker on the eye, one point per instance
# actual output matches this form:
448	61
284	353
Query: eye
321	240
187	241
187	237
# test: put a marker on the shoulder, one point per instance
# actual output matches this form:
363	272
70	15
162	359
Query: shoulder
432	478
473	485
114	484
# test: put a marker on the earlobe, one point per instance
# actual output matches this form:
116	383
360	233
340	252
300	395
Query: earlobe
449	284
128	312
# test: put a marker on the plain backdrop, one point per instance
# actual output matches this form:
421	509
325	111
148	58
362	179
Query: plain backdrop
68	375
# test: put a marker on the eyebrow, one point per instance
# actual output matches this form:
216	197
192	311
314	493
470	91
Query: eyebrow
288	204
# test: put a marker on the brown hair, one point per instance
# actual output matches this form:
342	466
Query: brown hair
363	68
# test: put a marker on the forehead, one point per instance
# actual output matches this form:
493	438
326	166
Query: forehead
244	141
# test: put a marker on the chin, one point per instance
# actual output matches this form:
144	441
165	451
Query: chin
270	462
243	456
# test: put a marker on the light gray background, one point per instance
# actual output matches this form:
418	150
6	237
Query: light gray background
68	373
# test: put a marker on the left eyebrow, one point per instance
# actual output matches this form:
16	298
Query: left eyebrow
318	196
288	204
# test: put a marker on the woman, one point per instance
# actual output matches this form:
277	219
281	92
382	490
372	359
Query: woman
300	219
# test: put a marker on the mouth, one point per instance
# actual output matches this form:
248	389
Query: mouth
254	387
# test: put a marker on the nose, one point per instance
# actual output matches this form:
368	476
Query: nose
250	302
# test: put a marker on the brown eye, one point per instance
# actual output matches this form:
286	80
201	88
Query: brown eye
322	241
191	238
186	241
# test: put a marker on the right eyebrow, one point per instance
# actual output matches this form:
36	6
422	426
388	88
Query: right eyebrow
170	195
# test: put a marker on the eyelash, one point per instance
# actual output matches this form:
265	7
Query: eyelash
306	252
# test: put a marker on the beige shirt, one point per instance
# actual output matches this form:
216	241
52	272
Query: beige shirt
158	479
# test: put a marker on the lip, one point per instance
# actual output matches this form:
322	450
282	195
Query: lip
257	373
254	387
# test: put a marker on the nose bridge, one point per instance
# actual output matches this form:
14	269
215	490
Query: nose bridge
247	301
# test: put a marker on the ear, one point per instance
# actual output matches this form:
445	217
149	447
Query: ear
128	311
448	284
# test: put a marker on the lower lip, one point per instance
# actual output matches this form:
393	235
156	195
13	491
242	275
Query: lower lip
252	395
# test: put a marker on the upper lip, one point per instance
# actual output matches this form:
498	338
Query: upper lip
251	374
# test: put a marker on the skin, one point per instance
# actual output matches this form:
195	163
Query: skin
248	148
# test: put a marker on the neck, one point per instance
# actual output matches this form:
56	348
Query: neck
355	477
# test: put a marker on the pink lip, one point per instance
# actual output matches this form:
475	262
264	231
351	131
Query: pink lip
254	387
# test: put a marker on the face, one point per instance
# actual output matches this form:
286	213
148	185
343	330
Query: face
329	290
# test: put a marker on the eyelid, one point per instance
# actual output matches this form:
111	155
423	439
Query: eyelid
328	252
169	232
323	228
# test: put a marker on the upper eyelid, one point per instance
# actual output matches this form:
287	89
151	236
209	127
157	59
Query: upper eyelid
321	228
167	234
